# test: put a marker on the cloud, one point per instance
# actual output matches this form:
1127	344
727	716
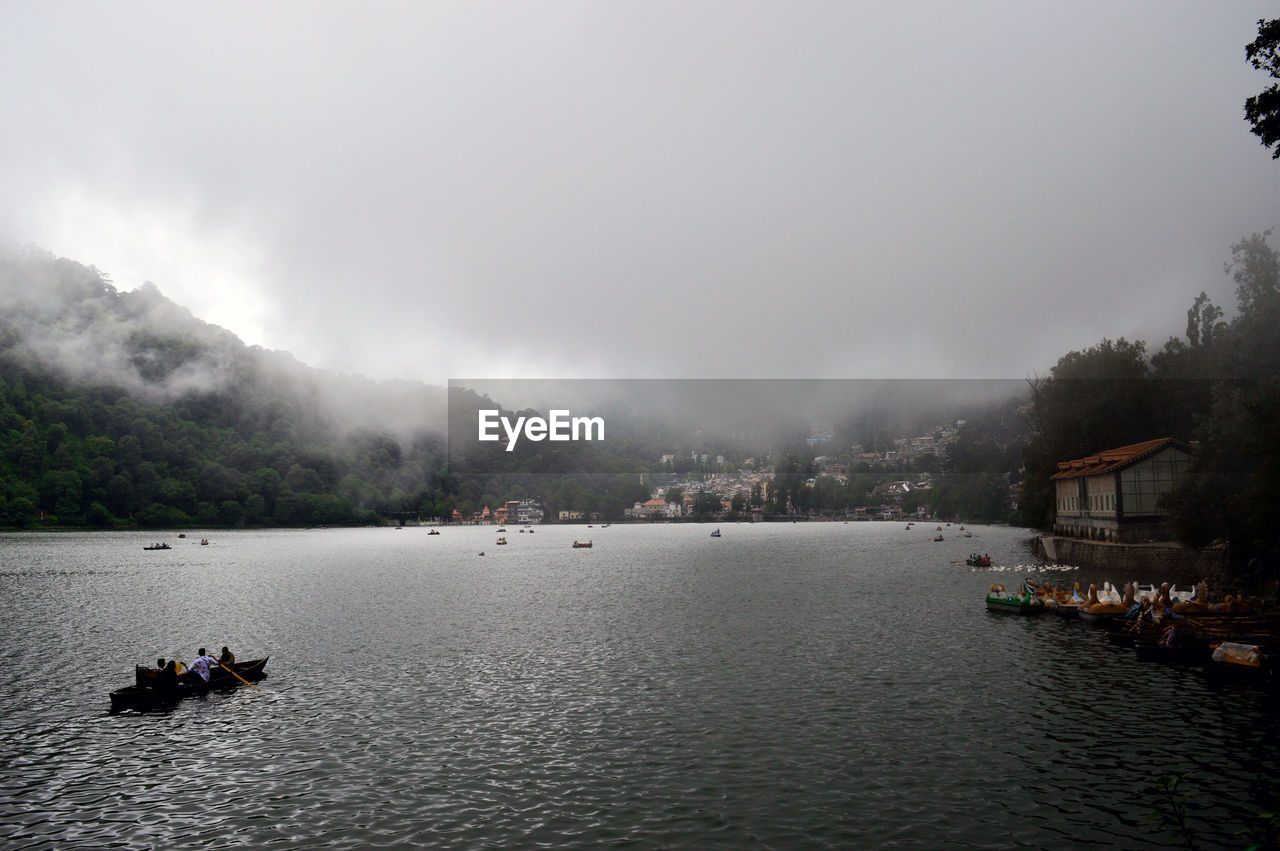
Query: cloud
646	190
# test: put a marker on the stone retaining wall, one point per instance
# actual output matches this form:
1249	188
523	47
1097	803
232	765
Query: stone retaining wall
1146	563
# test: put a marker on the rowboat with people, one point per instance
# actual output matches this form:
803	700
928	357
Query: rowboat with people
151	690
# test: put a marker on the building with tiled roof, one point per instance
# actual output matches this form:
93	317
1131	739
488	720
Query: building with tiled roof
1115	495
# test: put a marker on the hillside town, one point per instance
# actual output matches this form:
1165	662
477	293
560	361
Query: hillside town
857	483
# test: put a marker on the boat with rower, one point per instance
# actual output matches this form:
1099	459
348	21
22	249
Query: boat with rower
151	691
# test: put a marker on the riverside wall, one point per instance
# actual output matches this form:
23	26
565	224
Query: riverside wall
1146	563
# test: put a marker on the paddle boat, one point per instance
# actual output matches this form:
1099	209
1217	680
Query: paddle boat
1022	603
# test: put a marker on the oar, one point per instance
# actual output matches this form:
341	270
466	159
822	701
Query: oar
237	676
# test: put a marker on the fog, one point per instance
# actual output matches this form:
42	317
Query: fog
424	191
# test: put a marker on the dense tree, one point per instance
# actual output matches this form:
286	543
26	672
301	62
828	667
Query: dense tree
1262	111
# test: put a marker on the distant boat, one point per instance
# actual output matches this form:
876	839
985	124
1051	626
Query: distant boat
579	545
157	547
502	530
434	532
938	538
502	540
715	534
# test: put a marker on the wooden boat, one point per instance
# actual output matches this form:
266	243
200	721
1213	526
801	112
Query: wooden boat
578	545
148	692
502	540
976	560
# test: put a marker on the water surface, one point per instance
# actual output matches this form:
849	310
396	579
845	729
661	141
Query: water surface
785	685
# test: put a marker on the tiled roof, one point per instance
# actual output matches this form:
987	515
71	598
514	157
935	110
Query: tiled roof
1115	459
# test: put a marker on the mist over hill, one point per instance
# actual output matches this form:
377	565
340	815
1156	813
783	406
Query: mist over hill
122	408
122	405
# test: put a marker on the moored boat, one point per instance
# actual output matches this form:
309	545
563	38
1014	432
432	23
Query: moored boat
149	692
1026	603
578	545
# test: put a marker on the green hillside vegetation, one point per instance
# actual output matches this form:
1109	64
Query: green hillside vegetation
121	408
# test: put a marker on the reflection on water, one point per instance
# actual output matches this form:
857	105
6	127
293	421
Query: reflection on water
787	685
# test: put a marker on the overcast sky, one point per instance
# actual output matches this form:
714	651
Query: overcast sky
428	190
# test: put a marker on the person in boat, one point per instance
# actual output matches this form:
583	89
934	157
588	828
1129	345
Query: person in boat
198	670
168	672
227	658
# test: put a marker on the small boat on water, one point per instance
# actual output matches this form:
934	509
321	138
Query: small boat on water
938	538
1025	603
975	560
434	532
149	691
580	545
158	547
502	541
715	534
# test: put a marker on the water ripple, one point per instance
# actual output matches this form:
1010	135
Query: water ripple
825	686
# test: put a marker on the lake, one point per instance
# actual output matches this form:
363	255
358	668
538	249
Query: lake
809	685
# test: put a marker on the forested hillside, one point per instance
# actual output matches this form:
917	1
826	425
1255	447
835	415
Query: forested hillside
122	407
